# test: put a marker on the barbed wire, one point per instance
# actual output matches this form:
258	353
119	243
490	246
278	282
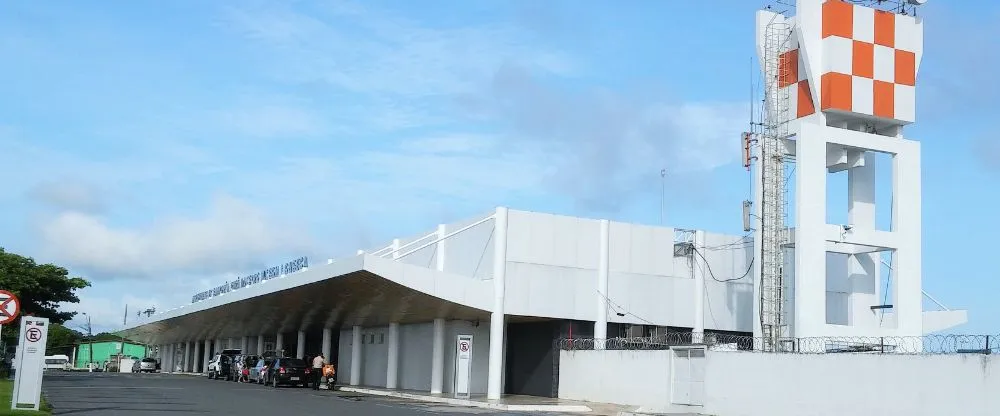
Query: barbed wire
927	344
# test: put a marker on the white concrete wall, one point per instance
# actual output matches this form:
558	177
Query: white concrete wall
621	377
759	384
415	355
552	263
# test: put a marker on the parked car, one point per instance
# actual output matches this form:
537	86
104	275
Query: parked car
292	371
221	365
145	365
258	373
57	362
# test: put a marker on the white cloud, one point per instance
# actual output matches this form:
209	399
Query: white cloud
69	194
232	235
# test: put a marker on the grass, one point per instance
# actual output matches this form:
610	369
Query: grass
6	391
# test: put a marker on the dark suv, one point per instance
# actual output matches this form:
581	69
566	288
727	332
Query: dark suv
292	371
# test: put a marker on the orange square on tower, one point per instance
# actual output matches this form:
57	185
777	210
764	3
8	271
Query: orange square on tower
884	100
885	28
836	92
906	68
838	19
863	59
788	68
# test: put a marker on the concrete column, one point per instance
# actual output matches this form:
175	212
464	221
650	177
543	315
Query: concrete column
437	357
603	269
244	344
441	232
260	344
698	268
279	343
164	358
356	356
327	343
395	248
206	356
195	367
498	318
300	345
188	364
809	310
906	230
218	345
171	357
393	363
179	355
72	358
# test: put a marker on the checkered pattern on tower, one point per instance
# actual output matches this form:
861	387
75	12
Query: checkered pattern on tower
869	62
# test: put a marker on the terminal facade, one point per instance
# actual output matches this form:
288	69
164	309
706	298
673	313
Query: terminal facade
390	317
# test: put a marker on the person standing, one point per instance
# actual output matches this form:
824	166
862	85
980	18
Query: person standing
317	370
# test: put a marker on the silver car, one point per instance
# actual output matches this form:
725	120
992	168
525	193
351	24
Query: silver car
145	365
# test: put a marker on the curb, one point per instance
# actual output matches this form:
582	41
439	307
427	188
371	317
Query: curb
472	403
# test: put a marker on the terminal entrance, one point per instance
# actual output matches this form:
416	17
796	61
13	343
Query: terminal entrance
532	361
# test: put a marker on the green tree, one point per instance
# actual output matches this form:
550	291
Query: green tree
39	287
61	340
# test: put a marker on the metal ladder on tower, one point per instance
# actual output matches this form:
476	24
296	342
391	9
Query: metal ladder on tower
773	199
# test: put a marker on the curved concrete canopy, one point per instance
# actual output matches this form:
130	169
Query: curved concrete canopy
363	290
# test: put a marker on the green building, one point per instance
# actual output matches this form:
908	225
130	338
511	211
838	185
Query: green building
104	350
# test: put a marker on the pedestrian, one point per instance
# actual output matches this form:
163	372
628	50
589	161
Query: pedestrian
317	370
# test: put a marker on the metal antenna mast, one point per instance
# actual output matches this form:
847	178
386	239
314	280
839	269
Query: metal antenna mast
773	198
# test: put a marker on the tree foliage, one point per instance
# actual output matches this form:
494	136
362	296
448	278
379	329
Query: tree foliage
61	340
39	287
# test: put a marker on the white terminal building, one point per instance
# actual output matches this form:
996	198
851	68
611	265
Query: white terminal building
841	90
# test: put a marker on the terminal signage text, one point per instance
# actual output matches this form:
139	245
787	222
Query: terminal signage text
263	275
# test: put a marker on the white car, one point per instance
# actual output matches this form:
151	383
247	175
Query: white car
145	365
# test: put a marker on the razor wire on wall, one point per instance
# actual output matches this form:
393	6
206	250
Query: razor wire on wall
927	344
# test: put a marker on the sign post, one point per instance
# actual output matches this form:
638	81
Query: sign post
463	366
31	357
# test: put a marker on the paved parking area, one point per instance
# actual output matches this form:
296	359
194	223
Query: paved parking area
115	394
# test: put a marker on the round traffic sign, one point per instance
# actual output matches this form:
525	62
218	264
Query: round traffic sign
33	334
464	346
10	306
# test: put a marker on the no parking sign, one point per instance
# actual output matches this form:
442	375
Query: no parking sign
30	358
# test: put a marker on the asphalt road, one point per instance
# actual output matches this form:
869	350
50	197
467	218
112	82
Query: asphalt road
113	394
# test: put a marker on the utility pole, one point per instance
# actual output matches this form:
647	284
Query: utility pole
663	194
90	344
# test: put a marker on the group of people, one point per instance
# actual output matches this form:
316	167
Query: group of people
243	371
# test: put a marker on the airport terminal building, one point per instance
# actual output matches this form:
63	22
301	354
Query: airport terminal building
391	317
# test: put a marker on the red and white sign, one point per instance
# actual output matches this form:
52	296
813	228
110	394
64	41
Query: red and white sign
464	346
10	307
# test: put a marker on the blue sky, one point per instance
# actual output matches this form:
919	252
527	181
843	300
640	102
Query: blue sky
158	147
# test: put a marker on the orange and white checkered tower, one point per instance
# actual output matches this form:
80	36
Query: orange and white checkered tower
840	80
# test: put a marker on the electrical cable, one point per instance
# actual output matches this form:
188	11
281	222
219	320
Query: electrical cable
619	309
712	275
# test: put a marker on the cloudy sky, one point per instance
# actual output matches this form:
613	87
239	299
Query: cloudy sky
157	148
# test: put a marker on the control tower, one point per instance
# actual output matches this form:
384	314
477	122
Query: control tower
839	86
